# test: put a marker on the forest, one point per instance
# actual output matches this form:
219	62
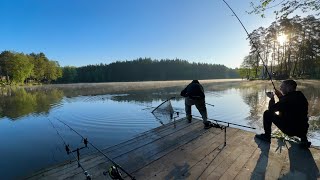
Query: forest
20	68
289	48
146	69
17	68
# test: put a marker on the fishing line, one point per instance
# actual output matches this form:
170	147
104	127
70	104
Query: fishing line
113	162
88	176
254	45
207	118
221	121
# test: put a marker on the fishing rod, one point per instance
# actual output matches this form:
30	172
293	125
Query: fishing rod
209	104
113	171
67	148
171	115
170	99
254	44
229	123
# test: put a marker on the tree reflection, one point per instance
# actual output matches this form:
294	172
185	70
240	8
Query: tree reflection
253	94
17	102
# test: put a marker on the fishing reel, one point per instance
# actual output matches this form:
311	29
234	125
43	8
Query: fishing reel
172	117
88	176
114	173
216	125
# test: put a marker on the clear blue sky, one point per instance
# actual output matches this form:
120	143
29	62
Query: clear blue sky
82	32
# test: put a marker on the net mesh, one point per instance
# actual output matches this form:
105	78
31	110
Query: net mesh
164	107
164	112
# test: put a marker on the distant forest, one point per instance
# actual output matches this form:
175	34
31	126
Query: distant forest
18	68
146	69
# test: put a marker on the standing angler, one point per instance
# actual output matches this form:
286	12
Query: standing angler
194	95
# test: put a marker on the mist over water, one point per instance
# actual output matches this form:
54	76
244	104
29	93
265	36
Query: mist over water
109	113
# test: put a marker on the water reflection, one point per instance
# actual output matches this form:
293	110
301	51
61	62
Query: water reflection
17	102
253	94
109	113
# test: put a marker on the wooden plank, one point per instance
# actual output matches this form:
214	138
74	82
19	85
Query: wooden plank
243	157
190	152
144	155
301	163
181	152
209	154
203	169
132	144
227	161
266	161
140	156
277	155
184	158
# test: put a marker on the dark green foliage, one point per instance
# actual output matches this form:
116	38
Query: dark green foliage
146	69
69	74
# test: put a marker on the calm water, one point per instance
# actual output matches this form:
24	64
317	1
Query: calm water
110	113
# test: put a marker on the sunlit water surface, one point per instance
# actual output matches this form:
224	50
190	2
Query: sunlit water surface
110	113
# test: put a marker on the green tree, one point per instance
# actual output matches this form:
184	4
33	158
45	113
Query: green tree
39	62
20	68
52	71
5	58
69	74
285	7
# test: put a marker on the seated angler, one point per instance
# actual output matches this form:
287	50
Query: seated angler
293	113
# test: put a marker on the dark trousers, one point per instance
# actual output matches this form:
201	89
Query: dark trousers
200	105
270	117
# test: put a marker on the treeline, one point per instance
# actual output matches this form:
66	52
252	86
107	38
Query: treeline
16	68
145	69
289	47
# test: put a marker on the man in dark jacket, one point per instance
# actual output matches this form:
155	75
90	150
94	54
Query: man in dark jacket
194	95
293	113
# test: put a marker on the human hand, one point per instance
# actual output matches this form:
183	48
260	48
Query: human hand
270	94
278	93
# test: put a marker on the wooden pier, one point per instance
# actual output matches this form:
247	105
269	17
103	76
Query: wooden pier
182	150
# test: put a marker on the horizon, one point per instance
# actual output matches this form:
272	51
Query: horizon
108	31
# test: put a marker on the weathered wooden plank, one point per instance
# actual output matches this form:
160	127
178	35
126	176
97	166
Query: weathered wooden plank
131	144
206	154
157	132
183	158
190	152
203	169
140	156
187	151
227	161
266	162
241	160
301	163
277	155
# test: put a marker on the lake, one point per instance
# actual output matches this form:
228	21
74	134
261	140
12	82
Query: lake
32	137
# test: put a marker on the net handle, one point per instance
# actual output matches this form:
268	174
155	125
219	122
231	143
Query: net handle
162	103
